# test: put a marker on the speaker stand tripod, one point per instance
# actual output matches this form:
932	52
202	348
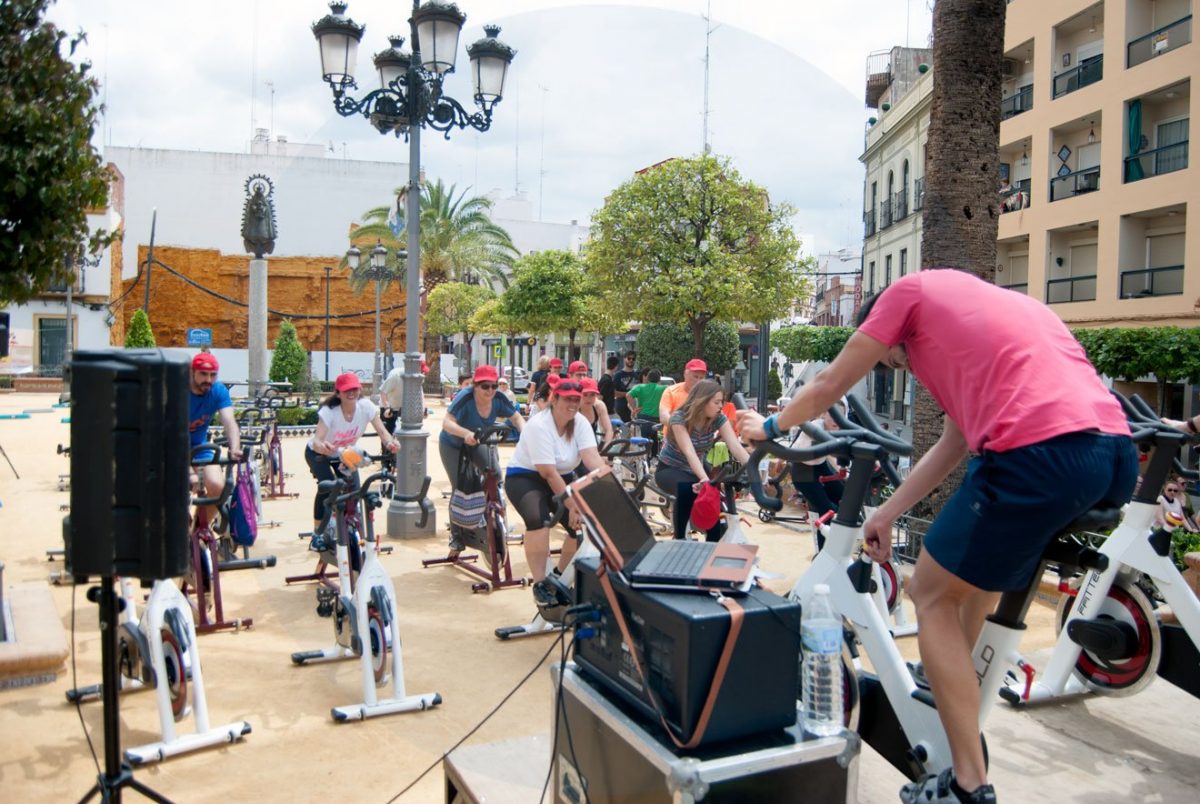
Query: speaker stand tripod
117	773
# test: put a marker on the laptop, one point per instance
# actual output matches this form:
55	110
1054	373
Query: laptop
629	545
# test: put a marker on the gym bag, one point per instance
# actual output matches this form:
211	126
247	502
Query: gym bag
468	501
243	523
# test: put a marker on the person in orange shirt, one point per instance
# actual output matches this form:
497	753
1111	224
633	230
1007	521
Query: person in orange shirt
673	398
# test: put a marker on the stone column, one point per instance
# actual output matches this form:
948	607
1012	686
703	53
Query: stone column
257	341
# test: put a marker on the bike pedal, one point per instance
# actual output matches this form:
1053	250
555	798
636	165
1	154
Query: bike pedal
1105	640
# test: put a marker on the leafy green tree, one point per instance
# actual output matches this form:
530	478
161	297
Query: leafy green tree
1169	354
451	307
667	347
289	360
139	336
547	294
820	344
493	318
49	172
689	241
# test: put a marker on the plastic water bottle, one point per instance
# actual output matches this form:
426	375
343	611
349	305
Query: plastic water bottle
821	638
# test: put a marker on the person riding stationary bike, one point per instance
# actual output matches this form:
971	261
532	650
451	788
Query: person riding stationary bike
1049	443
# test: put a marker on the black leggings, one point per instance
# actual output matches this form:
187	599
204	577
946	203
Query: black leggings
321	469
679	482
530	494
821	497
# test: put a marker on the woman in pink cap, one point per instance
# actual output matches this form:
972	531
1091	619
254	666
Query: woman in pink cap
341	419
473	408
592	408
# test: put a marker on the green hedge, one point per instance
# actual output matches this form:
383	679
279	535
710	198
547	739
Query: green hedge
290	417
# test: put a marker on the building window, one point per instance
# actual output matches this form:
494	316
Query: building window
871	278
903	261
887	270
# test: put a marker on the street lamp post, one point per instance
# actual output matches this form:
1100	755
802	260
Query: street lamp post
410	97
328	269
81	262
378	263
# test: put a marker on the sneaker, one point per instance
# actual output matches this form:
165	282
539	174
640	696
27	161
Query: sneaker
319	544
942	788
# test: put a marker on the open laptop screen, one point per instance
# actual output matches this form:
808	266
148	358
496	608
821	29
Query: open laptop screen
622	520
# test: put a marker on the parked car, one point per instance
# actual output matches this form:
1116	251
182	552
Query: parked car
518	379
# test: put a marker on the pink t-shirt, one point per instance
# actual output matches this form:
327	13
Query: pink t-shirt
1002	365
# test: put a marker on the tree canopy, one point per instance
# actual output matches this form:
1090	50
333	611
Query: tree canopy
139	335
50	174
451	307
459	240
820	344
690	241
667	347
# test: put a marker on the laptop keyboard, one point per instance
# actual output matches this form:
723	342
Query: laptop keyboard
683	559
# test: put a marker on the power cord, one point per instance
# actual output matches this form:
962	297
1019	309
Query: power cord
486	718
560	707
75	685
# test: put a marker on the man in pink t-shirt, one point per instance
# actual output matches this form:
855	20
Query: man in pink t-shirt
1047	442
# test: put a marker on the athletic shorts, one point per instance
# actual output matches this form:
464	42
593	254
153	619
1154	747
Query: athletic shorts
530	495
994	529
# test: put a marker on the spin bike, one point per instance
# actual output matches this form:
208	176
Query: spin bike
352	516
1111	641
159	651
204	569
363	609
632	468
273	476
887	708
491	537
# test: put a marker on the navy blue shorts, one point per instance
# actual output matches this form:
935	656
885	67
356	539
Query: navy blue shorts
994	529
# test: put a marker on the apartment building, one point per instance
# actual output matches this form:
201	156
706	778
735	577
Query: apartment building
1095	181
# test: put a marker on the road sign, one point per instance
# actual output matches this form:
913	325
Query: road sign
199	337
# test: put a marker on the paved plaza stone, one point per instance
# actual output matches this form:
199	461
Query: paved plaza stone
1143	748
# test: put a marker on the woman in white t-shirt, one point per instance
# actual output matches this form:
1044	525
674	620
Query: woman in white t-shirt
551	446
341	419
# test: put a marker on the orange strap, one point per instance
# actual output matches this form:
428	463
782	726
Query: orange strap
736	615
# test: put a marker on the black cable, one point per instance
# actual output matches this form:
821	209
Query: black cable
75	685
559	706
486	718
128	290
280	313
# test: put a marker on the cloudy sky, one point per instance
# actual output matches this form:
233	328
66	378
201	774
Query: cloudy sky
596	91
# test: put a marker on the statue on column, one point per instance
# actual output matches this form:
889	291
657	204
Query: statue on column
258	216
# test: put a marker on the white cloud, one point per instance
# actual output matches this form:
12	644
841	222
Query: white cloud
623	89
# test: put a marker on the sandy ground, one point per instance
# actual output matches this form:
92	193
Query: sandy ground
1135	749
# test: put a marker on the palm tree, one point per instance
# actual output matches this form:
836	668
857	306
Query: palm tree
459	243
962	207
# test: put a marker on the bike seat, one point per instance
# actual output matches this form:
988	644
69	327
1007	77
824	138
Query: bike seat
1093	520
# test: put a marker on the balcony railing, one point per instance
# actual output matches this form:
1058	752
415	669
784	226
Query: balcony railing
1156	43
900	205
1073	184
1013	105
1071	289
1088	72
869	223
1019	287
1016	198
885	215
1144	282
1166	159
919	193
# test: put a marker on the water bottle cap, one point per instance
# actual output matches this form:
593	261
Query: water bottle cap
821	589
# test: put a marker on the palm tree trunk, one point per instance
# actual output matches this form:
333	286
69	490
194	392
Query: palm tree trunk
962	206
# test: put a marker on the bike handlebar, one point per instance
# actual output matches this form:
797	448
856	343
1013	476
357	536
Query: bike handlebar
492	434
1146	426
622	448
214	459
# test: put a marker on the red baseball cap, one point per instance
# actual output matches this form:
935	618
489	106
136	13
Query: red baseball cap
577	366
589	386
346	382
696	364
486	373
568	389
205	361
706	511
553	379
555	361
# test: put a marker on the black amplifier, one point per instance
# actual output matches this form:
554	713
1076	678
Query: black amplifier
680	637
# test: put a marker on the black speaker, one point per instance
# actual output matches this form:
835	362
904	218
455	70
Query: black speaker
4	334
130	503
